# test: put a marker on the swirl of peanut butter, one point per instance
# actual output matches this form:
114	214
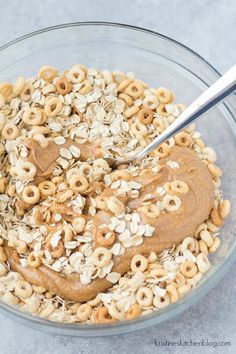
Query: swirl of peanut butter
170	228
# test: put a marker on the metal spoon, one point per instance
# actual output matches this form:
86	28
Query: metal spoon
217	92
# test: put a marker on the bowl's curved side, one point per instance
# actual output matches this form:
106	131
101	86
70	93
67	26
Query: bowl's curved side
113	46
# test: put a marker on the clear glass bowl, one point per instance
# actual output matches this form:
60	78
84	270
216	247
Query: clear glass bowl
159	61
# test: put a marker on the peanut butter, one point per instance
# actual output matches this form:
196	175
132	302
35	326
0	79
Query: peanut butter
170	228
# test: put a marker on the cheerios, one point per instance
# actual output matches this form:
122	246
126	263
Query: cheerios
33	116
78	183
63	86
34	261
161	301
115	205
101	315
31	194
101	256
105	237
76	74
47	73
23	289
145	116
179	187
53	107
183	139
203	263
171	202
84	311
57	251
47	188
134	89
188	269
150	210
133	312
144	297
164	95
10	131
139	263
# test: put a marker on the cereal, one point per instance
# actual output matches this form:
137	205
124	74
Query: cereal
63	86
47	188
31	194
145	116
72	220
23	289
139	263
10	131
101	256
47	73
53	107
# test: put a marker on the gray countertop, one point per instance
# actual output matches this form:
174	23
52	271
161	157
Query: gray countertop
208	27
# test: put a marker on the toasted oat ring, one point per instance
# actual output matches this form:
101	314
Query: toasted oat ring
85	88
130	112
161	301
78	183
86	170
188	269
40	138
33	116
20	83
56	252
101	257
215	217
31	194
101	202
145	116
26	92
133	312
126	98
101	315
164	95
179	187
23	289
183	139
121	174
163	150
47	188
6	90
53	107
172	292
161	110
101	238
144	296
47	73
26	171
150	210
63	86
83	312
118	76
179	280
225	208
76	74
135	90
123	84
139	263
67	233
171	202
34	261
10	131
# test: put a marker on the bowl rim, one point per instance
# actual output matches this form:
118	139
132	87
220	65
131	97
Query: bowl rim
156	317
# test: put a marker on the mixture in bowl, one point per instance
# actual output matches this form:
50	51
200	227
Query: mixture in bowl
80	242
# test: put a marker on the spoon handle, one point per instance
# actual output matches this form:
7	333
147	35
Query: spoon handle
217	92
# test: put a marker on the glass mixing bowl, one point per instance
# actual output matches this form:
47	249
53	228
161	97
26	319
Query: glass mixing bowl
159	61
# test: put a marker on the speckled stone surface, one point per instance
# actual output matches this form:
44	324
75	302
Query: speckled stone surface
208	27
